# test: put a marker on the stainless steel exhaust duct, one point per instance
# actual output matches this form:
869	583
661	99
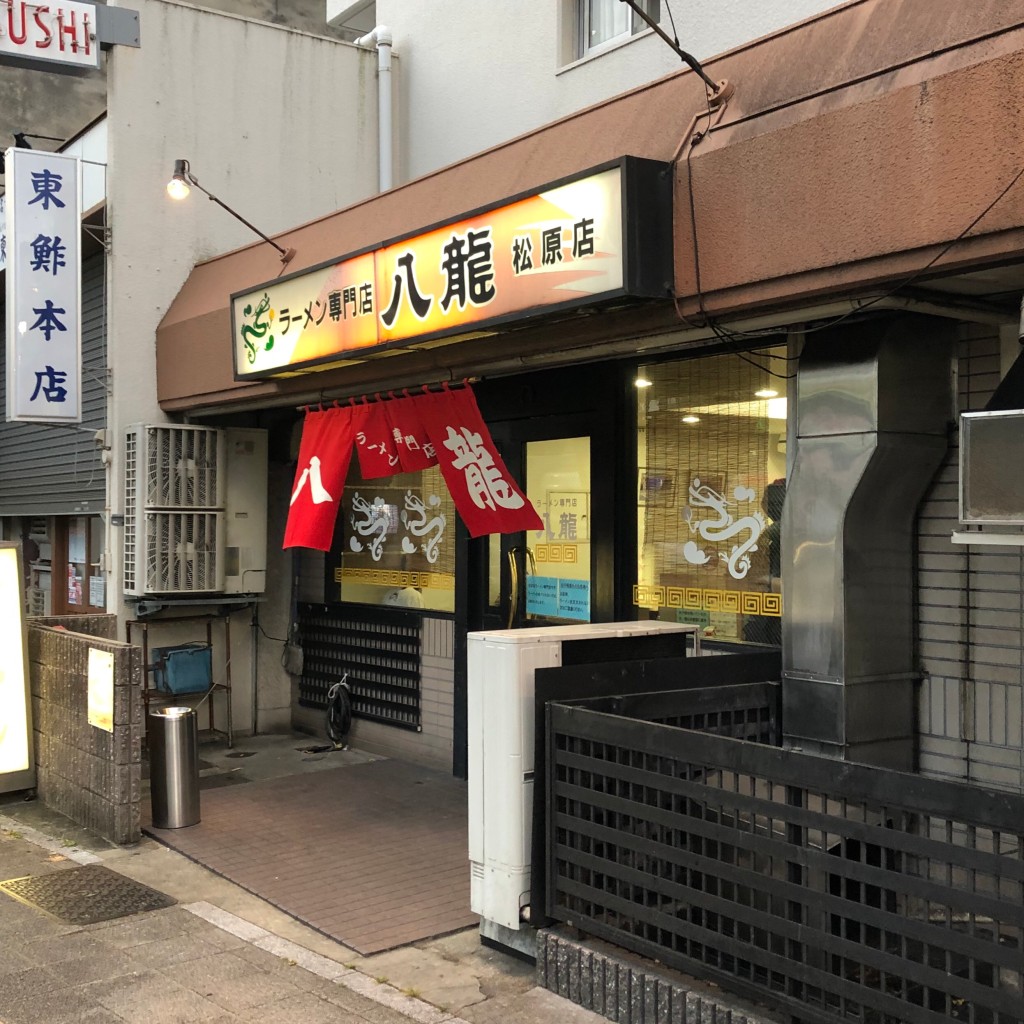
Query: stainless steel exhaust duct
874	407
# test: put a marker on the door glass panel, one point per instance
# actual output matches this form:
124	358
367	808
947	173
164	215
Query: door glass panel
558	558
97	583
77	560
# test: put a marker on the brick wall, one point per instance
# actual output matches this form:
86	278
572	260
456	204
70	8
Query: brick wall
970	619
90	775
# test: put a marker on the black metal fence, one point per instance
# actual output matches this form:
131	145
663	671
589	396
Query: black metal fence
834	891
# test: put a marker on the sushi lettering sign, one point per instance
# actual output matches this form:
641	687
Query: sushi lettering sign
603	235
54	32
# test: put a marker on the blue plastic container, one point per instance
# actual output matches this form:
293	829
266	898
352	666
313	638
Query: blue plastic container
186	668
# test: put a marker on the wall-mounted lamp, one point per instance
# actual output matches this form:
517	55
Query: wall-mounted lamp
181	184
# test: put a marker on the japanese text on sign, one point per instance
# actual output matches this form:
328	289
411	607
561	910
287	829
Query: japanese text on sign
44	348
557	247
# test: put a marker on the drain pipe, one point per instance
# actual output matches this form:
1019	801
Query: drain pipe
382	39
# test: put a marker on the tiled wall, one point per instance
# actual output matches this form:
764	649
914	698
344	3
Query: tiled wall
970	619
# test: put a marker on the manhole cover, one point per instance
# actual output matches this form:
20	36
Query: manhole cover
85	895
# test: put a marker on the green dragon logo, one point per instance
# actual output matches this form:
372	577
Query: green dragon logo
258	329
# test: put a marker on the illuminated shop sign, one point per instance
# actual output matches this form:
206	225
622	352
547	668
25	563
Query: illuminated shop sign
600	236
16	766
54	32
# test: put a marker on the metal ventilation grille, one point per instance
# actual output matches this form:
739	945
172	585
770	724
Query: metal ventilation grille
182	467
131	498
379	651
182	551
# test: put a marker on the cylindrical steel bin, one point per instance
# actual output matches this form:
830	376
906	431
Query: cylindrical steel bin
172	735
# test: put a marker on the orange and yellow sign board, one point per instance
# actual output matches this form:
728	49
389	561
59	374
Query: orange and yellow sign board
559	247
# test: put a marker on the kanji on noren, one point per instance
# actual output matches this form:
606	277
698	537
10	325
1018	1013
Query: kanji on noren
324	456
487	497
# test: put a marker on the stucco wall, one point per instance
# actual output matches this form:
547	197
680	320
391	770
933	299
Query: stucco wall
476	73
280	125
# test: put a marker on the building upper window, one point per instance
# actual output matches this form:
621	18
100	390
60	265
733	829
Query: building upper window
605	22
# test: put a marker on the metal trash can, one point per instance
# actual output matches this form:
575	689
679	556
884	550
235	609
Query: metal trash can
172	736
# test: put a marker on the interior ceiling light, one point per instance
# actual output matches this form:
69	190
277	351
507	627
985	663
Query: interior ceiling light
766	393
691	419
181	184
643	382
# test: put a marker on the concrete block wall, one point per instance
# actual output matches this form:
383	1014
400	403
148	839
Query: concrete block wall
970	619
91	775
629	989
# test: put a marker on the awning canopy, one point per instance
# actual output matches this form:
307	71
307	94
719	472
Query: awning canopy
856	148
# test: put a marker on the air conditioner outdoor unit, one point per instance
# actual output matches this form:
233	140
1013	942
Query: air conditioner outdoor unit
177	553
195	519
176	467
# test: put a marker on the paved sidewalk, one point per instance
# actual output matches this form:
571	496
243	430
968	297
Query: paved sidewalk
222	955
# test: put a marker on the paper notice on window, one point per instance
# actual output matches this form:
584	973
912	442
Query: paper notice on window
101	689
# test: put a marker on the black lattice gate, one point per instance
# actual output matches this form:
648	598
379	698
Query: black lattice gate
836	891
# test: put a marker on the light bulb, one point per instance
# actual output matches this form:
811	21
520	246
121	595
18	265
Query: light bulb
177	188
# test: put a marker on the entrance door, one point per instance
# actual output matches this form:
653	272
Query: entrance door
561	574
558	433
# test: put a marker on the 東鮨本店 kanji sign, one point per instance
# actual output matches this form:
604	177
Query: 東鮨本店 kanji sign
603	235
44	287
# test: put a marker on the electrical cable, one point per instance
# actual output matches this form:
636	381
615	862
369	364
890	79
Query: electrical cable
339	712
276	639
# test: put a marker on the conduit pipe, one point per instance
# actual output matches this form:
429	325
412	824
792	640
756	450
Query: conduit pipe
381	38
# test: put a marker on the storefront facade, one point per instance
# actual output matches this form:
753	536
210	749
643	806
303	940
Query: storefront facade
824	226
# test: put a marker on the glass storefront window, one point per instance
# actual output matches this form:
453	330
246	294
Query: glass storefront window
397	537
712	481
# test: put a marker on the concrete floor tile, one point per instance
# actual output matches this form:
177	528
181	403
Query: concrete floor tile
151	997
82	970
167	952
54	949
12	961
36	996
306	1008
140	928
232	982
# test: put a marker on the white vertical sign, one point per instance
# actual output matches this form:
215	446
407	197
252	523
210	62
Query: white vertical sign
44	287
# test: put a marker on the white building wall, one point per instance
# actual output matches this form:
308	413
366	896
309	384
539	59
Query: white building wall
477	73
281	125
